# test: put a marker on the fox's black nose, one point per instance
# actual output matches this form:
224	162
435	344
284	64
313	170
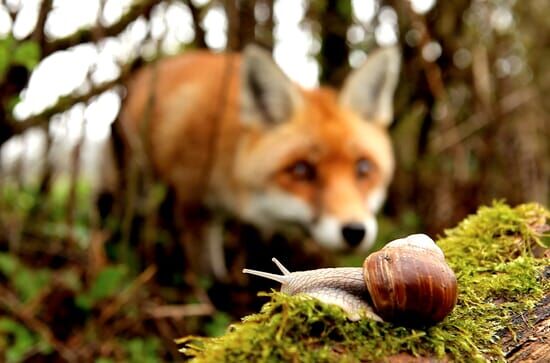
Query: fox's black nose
353	233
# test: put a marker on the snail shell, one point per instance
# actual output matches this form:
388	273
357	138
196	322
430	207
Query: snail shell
407	281
410	282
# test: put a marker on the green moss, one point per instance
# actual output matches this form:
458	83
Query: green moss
497	276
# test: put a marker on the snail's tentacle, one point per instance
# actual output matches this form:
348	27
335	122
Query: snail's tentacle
281	267
279	278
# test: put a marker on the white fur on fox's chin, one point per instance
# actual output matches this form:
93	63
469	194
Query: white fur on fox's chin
328	233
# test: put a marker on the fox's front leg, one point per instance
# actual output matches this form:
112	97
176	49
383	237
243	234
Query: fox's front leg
202	238
215	249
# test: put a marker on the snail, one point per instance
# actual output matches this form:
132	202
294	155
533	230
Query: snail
407	282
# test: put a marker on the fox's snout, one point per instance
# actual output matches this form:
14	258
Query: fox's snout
354	233
358	235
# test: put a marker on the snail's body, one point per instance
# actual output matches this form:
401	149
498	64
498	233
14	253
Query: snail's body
407	281
343	286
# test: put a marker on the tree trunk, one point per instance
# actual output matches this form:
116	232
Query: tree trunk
200	34
334	21
242	23
265	27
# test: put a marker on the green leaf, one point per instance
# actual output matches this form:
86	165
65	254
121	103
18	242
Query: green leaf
107	283
8	264
71	279
7	43
15	339
142	350
29	283
104	360
4	61
27	54
344	8
6	46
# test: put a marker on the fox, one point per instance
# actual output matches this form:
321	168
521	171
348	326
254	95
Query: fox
231	132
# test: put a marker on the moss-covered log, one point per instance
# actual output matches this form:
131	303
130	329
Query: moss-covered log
501	260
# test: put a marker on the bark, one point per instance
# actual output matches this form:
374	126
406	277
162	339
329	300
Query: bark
242	23
528	340
264	29
334	22
200	34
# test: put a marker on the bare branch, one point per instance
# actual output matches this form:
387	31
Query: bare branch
66	102
137	9
180	311
11	303
38	34
12	127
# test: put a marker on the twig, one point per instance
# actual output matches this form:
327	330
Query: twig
63	104
167	331
97	258
476	122
137	8
455	135
180	311
110	310
516	99
38	33
12	304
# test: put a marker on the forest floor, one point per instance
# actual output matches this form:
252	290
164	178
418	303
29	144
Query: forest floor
72	291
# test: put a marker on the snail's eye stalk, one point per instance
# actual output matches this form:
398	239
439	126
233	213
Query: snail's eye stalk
281	267
279	278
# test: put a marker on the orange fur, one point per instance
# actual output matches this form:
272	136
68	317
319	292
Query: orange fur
201	147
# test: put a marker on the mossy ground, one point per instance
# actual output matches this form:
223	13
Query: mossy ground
497	275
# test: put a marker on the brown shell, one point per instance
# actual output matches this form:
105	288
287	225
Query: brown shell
410	286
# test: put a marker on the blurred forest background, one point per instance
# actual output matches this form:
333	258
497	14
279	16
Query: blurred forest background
76	285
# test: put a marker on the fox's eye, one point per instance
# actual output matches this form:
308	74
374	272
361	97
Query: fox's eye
363	167
302	170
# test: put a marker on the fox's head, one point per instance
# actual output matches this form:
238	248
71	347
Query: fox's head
319	159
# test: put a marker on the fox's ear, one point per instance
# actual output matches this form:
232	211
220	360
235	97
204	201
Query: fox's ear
267	95
369	89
